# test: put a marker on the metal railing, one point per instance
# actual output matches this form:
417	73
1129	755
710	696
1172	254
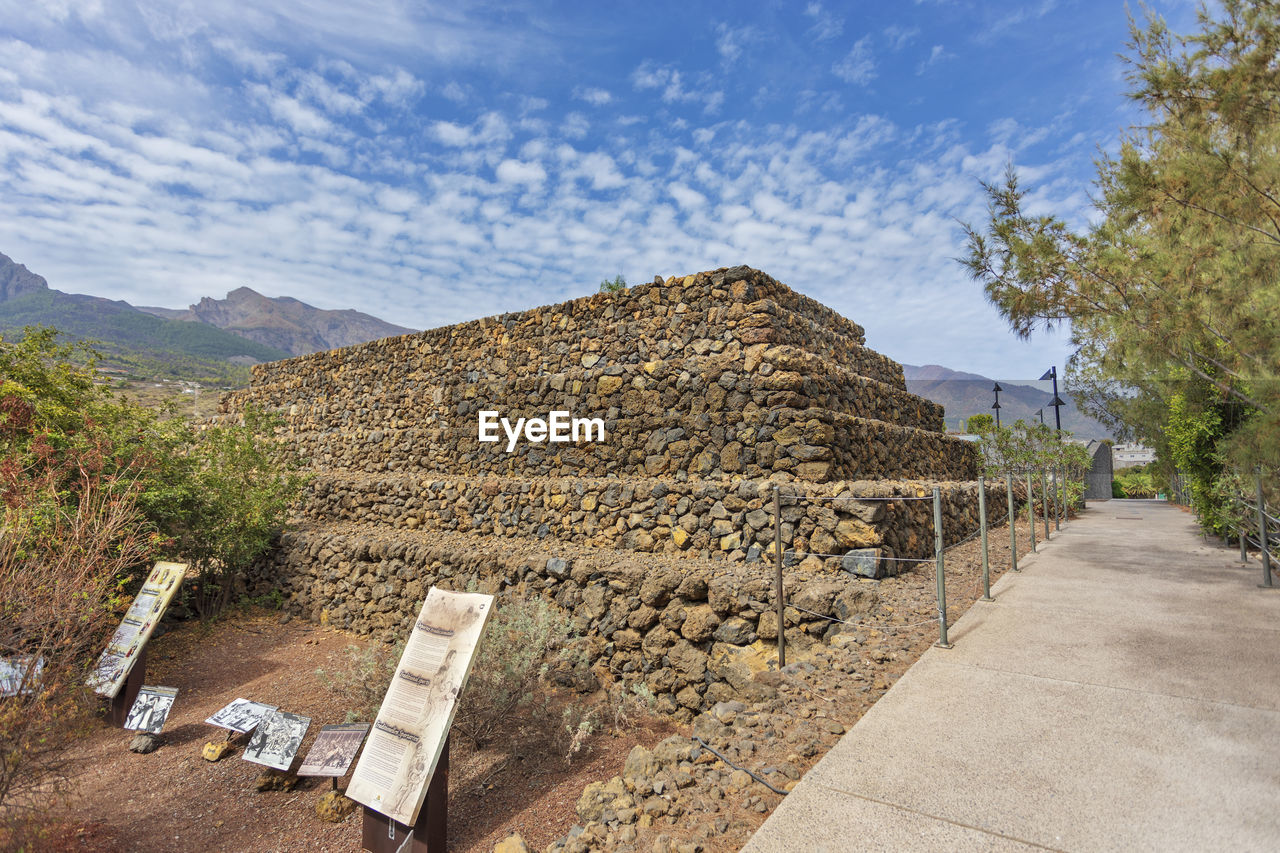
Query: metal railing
1265	530
1056	503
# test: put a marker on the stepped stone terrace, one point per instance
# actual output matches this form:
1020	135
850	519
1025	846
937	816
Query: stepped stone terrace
712	388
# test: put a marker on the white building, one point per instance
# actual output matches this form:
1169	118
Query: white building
1129	455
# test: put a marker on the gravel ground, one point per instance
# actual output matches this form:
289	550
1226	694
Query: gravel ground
650	785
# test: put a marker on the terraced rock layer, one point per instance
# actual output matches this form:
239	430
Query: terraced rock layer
712	389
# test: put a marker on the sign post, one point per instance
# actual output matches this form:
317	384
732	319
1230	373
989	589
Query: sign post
429	833
405	760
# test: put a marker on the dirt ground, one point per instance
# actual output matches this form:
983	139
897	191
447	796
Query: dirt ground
174	800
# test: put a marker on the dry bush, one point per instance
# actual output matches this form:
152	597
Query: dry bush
514	654
61	554
361	680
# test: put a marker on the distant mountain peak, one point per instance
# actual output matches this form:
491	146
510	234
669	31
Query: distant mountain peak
16	280
284	322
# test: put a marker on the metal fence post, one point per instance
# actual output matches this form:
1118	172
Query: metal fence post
1031	510
777	581
982	526
1263	541
1243	532
942	581
1057	498
1013	529
1044	496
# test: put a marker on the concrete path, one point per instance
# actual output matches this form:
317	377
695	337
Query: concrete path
1121	693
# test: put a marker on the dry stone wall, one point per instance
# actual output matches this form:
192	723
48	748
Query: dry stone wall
713	388
690	628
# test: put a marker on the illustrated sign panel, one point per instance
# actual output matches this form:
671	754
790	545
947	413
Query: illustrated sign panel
150	709
409	732
277	739
17	675
334	750
135	629
240	715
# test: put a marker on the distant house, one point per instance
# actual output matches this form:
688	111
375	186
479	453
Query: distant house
1129	455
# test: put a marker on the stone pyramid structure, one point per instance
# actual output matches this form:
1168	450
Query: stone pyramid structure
711	389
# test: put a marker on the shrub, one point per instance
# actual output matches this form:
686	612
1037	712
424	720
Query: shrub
222	494
63	555
513	655
362	679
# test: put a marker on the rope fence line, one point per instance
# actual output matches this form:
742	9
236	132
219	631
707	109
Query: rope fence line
1056	502
794	554
868	625
798	498
726	760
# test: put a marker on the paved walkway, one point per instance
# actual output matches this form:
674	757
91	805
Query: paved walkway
1121	693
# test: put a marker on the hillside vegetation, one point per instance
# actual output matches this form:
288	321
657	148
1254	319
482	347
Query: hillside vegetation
140	343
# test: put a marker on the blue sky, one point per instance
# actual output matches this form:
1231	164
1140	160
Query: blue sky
430	163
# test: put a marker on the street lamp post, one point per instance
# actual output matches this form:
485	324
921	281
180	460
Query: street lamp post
996	405
1057	402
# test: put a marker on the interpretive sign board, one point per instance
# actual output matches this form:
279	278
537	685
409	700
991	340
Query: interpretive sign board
240	715
277	739
150	709
410	730
18	676
334	749
135	629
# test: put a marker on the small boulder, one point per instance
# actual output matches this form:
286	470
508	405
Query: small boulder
216	750
641	762
513	843
699	624
145	742
335	807
276	780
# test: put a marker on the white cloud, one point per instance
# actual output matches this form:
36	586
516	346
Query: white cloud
936	54
648	75
687	198
859	65
594	96
825	26
303	119
730	41
299	175
454	92
897	37
519	172
575	126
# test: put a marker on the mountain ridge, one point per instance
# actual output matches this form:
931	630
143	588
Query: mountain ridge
212	340
284	322
967	394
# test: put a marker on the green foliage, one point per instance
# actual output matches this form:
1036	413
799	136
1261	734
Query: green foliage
221	494
217	495
618	284
522	637
1138	482
362	678
1173	294
981	424
1030	448
137	341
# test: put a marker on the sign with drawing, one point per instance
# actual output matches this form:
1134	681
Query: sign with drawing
135	629
409	732
151	709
